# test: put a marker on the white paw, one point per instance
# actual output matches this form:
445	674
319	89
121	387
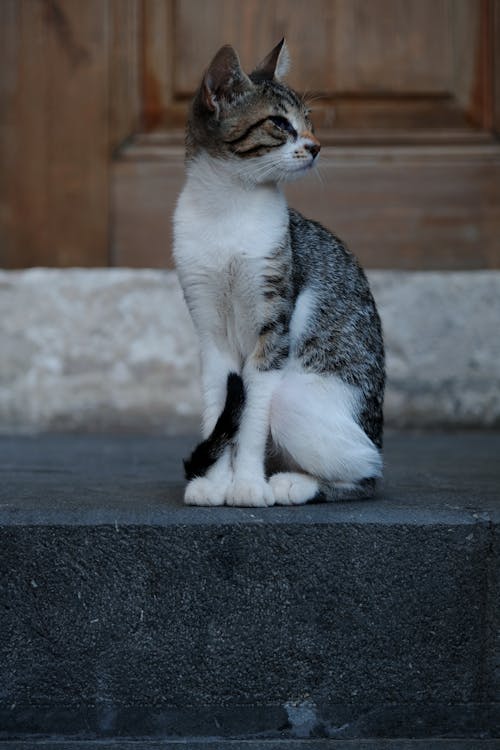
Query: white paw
290	488
203	491
249	492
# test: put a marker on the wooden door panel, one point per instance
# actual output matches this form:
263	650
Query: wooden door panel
125	62
94	96
420	61
414	76
253	28
493	69
345	46
393	47
54	133
432	207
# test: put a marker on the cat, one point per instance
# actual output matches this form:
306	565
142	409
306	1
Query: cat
290	339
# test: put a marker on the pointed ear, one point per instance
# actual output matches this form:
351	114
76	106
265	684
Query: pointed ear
276	64
224	80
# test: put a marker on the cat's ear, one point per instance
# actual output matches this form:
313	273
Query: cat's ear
224	80
276	64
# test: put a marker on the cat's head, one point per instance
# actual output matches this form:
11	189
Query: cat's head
254	124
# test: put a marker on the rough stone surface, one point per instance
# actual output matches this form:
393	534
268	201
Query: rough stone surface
98	349
443	347
125	613
228	744
115	349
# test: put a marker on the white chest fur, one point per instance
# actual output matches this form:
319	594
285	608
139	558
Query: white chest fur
217	216
223	233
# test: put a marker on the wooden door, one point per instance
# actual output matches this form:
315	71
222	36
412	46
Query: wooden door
406	101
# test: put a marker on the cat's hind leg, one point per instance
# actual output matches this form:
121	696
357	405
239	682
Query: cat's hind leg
313	422
293	487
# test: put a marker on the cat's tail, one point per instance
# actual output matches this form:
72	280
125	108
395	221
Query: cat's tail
207	452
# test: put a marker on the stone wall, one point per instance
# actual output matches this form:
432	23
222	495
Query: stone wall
114	349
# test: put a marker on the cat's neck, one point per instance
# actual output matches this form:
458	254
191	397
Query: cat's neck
212	181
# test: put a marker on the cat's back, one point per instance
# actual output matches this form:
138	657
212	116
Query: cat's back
321	258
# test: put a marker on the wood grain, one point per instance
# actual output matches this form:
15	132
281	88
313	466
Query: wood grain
143	200
55	193
125	63
24	134
79	78
420	207
344	46
253	28
389	46
496	66
158	63
387	63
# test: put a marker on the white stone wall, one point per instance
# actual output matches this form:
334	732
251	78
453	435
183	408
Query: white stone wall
115	349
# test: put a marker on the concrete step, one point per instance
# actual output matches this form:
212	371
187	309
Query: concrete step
324	744
126	614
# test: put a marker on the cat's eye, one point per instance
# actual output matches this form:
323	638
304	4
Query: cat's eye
283	124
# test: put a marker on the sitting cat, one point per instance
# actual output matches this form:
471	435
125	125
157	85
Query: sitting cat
291	346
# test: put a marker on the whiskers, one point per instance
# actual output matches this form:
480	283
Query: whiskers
277	167
261	171
309	97
317	173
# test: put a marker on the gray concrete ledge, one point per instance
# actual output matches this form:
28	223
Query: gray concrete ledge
114	349
400	744
125	614
430	478
193	744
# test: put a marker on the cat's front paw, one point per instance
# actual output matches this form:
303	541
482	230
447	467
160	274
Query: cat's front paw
292	488
249	492
203	491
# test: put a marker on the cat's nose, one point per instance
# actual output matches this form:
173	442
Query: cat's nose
313	148
312	144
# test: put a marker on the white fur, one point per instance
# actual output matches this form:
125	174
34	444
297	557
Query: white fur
212	488
304	307
249	486
250	492
223	232
217	362
217	207
291	488
225	226
313	416
313	420
223	229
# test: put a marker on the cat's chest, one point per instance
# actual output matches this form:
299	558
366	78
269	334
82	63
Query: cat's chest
210	229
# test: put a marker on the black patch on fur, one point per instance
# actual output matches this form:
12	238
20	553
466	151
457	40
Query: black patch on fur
268	327
207	452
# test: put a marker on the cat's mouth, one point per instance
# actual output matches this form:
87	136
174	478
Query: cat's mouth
304	165
306	156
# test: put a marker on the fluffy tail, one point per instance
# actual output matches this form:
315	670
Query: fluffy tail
206	453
